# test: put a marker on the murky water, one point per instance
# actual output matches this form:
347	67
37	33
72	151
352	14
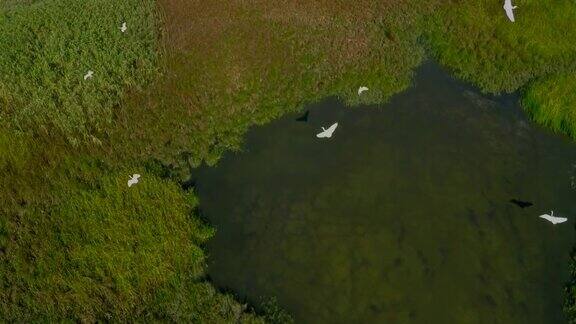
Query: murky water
403	216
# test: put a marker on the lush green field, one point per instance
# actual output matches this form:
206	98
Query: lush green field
182	86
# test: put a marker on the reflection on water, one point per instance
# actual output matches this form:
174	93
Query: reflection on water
403	216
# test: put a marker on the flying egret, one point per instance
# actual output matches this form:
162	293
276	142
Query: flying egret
88	75
123	28
327	133
509	9
133	180
362	89
552	219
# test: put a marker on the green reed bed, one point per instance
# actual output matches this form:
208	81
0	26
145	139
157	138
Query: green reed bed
233	65
46	48
551	101
536	54
75	243
481	45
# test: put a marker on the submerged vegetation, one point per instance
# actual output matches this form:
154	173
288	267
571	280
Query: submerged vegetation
75	243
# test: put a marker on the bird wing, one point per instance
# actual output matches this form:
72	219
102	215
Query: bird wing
546	217
333	128
321	134
509	9
510	14
560	220
554	220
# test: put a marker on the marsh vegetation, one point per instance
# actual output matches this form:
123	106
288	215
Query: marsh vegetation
397	217
181	87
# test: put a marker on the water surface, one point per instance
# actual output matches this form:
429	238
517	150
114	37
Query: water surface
403	216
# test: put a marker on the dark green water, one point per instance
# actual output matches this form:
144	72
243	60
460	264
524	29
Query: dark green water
403	216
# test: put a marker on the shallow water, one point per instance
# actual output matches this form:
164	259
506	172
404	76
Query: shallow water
403	216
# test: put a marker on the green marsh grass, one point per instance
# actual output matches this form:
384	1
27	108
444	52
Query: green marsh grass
77	244
181	87
477	41
47	46
551	102
232	65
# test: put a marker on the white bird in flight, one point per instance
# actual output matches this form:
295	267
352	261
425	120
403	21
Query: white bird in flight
133	180
509	9
88	75
362	89
123	28
552	219
327	133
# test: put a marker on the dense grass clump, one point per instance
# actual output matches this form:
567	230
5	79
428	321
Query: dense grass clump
551	102
47	46
76	244
481	45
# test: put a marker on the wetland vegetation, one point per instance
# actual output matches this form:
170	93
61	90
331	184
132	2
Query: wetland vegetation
372	227
181	87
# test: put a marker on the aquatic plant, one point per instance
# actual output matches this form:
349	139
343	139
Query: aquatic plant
273	313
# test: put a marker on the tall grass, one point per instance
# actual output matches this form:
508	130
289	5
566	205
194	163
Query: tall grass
551	101
477	41
76	244
102	251
47	46
231	65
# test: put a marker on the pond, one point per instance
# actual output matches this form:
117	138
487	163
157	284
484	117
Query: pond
403	216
